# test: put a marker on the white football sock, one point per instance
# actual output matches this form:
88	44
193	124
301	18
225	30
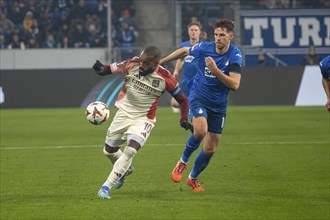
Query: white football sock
113	157
121	166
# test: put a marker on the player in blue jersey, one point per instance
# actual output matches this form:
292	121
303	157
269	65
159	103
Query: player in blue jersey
325	70
218	72
189	63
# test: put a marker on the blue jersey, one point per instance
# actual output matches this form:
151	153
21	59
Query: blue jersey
190	66
325	67
207	88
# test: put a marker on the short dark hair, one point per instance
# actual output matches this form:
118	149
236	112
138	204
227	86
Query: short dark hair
224	23
195	23
153	51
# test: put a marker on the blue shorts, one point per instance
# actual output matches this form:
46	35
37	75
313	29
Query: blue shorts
215	120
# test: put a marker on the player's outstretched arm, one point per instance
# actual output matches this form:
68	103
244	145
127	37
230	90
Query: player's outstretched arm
101	69
178	67
179	53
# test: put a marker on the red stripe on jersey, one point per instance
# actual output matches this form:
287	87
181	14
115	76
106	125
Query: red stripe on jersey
152	111
171	82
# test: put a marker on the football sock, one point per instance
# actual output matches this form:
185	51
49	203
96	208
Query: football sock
191	145
113	157
121	166
201	162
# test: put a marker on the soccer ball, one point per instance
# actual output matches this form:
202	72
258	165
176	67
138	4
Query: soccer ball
97	113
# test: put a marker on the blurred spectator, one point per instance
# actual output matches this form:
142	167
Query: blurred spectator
32	6
311	58
17	12
115	38
93	24
32	43
65	42
2	42
102	13
262	60
127	38
16	43
80	35
79	11
48	29
274	4
18	31
97	42
63	5
30	25
190	10
46	17
203	36
95	38
6	24
125	18
127	35
3	7
35	20
63	18
64	31
50	41
44	5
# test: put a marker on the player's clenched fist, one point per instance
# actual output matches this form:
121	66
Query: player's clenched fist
98	67
186	125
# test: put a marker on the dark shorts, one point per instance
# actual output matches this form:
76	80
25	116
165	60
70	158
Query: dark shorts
215	120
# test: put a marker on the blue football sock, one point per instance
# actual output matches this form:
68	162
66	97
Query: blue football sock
201	162
191	145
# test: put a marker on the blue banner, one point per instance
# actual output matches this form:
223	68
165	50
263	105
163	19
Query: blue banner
286	31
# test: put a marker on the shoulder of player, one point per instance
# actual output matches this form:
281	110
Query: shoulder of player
185	44
234	51
166	75
162	71
132	62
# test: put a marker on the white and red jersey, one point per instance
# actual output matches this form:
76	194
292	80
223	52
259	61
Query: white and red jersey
139	95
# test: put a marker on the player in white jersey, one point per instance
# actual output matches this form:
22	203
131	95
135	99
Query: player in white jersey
137	101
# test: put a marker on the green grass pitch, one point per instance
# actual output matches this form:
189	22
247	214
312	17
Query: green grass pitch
272	163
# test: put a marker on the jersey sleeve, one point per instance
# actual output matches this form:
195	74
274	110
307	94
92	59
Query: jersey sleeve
236	57
124	66
235	61
195	50
171	83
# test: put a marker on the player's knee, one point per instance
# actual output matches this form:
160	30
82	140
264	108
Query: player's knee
208	151
200	133
109	150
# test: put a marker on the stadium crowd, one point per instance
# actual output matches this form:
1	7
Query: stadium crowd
83	23
65	23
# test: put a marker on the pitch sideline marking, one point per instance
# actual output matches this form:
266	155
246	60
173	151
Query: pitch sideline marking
182	144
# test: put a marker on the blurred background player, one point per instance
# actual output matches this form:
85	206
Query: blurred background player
219	70
325	70
137	101
311	58
189	63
